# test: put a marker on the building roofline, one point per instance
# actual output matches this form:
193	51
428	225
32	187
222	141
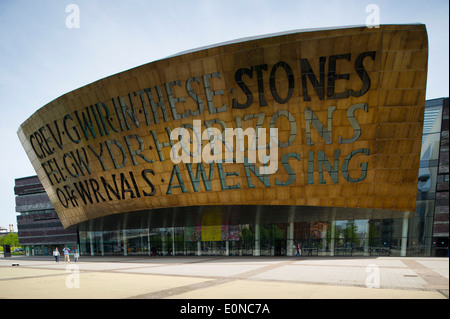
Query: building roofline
275	34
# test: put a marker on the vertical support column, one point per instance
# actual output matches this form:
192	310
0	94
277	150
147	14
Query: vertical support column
257	250
173	241
404	242
199	248
102	246
227	248
141	240
125	244
332	238
164	242
366	240
428	230
91	242
324	239
149	243
119	242
290	233
290	239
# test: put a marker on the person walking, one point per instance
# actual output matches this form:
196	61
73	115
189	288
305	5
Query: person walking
56	254
299	250
76	255
66	255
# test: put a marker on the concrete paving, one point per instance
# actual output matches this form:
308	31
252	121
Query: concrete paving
242	278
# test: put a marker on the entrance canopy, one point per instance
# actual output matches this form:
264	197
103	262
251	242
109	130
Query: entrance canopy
231	215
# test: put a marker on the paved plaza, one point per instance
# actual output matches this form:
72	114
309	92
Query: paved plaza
204	277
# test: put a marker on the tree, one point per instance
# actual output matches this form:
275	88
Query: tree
247	235
11	239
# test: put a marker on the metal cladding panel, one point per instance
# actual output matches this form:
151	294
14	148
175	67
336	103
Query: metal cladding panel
345	107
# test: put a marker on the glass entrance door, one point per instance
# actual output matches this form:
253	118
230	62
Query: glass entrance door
352	237
360	237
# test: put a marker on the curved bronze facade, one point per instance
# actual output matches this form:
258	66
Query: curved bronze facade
347	104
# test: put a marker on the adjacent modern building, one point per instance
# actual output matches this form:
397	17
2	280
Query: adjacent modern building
305	140
39	228
432	210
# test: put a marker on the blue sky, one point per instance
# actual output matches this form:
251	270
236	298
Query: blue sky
41	59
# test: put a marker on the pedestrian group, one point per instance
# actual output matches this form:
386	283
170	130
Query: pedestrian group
66	252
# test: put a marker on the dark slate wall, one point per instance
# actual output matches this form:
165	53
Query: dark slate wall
38	223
